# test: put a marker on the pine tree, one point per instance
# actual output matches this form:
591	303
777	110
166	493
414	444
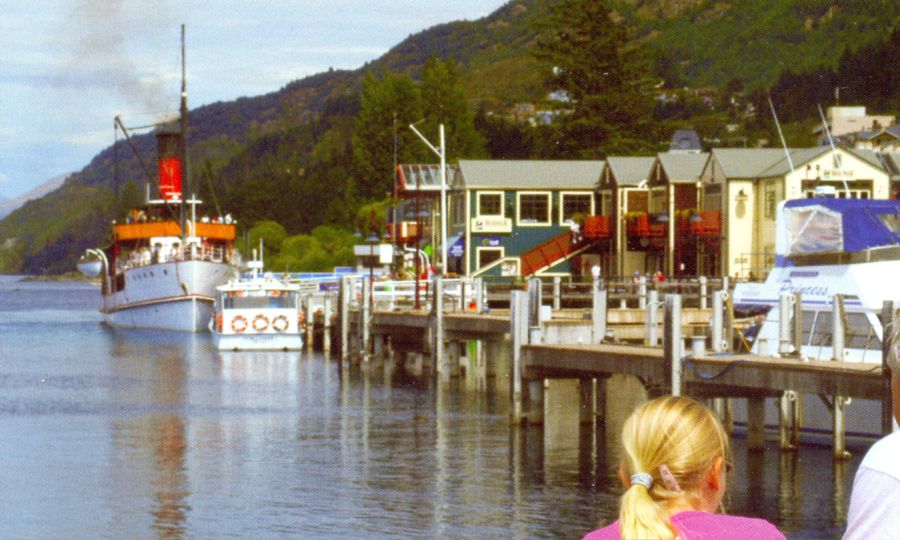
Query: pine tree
444	101
603	88
386	103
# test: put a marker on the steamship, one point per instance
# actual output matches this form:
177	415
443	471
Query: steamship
164	265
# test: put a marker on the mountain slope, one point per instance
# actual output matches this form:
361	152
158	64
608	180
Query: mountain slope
288	146
7	206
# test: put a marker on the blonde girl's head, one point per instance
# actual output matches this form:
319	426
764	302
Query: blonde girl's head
675	442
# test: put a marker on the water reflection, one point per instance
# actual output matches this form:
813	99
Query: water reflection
153	440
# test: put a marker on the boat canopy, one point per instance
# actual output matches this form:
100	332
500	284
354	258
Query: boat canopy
818	226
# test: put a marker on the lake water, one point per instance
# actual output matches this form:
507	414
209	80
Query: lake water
140	434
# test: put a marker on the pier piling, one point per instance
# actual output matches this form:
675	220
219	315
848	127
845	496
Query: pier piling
598	311
672	342
518	305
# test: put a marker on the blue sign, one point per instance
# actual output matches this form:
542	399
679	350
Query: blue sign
457	246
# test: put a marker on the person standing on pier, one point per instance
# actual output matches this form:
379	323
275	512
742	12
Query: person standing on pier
676	455
876	487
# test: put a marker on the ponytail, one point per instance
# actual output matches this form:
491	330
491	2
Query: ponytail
642	517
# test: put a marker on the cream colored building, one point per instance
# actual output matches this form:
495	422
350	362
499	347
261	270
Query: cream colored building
843	120
747	184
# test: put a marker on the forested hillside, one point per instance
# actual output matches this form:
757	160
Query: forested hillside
318	150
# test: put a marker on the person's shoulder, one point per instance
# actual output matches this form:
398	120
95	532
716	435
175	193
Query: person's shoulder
610	532
734	526
882	455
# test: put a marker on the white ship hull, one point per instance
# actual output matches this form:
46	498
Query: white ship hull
166	296
257	342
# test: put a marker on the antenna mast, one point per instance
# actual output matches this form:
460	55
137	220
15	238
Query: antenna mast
831	143
183	149
781	135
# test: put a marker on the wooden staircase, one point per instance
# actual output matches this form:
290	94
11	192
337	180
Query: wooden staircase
551	252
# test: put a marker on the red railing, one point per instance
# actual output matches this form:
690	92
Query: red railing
596	227
710	223
640	225
547	253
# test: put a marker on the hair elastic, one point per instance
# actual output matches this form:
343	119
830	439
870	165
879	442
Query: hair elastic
643	479
668	478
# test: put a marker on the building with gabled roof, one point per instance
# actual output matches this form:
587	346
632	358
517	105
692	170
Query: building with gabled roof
624	195
515	217
676	191
745	185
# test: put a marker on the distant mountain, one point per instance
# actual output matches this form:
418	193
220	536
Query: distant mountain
7	205
291	145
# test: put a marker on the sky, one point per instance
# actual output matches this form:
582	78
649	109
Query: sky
68	67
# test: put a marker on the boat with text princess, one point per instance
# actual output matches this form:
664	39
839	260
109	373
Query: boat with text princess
841	258
257	313
827	248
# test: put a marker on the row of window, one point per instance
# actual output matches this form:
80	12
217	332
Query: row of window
533	208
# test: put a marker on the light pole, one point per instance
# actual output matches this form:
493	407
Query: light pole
372	239
443	156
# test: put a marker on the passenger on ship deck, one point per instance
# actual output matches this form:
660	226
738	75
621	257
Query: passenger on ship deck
875	498
675	459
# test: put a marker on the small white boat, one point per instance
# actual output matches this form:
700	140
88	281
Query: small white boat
259	313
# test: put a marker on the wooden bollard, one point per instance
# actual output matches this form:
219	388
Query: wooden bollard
518	304
673	343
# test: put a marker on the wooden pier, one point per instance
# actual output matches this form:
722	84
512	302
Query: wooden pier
593	345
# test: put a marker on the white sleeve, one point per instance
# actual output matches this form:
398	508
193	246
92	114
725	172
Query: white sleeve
873	506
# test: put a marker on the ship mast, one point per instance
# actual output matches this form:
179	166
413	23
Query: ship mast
183	144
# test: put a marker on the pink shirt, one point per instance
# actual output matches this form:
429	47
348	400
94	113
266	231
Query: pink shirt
696	525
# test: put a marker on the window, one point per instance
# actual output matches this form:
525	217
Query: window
490	203
487	255
458	209
534	208
770	202
575	203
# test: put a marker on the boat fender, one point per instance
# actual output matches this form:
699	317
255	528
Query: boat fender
301	320
219	322
239	323
280	323
260	323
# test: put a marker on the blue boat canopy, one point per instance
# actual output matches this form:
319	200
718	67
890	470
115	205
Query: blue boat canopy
837	225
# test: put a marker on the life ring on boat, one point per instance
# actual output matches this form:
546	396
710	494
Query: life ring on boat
260	323
239	323
276	293
280	323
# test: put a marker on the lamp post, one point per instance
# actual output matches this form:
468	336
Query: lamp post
372	239
418	304
441	153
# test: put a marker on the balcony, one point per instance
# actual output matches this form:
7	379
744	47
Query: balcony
641	225
596	227
703	223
